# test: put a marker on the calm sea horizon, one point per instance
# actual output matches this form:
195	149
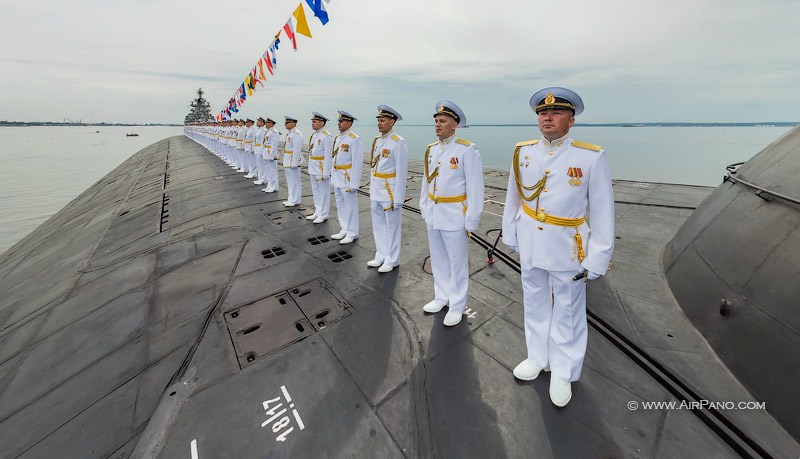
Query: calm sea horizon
45	167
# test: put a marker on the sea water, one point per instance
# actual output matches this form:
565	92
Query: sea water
43	168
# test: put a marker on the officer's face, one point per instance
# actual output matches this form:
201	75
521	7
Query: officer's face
317	124
445	126
555	122
260	123
290	125
344	125
385	124
269	125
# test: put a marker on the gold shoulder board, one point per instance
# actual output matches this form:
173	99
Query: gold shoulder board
325	132
463	142
587	146
352	134
528	142
395	137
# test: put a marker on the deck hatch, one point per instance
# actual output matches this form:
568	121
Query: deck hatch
273	323
288	218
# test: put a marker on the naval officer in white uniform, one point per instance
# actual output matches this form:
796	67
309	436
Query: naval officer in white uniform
387	189
258	151
292	159
451	201
249	150
241	157
271	139
348	159
320	148
554	183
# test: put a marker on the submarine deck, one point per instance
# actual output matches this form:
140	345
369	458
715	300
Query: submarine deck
175	310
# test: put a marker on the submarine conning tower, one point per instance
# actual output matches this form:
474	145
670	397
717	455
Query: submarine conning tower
734	267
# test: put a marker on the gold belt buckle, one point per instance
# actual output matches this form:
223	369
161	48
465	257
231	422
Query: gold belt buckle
541	216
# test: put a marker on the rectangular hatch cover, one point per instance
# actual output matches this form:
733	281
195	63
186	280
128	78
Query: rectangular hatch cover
273	323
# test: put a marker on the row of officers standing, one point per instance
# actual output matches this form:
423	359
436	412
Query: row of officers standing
553	183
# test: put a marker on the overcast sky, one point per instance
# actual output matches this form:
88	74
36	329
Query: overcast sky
142	61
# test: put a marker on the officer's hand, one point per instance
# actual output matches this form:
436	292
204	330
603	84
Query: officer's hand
592	276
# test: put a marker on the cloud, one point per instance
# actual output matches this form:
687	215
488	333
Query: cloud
677	60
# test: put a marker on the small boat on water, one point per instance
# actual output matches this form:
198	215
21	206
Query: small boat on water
132	134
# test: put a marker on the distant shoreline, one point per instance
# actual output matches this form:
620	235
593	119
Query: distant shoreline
49	123
649	124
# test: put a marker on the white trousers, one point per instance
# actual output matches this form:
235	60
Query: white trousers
347	210
555	320
239	161
293	184
386	228
261	166
252	164
272	174
321	191
450	266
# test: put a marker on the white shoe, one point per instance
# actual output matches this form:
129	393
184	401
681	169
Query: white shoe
291	205
339	235
433	307
527	371
348	240
272	190
241	170
385	268
269	190
375	263
452	318
560	391
320	220
258	182
265	190
249	176
311	217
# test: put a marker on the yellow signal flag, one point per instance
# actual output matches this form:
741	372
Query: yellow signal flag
302	25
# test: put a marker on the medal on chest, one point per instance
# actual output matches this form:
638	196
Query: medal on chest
575	174
453	163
